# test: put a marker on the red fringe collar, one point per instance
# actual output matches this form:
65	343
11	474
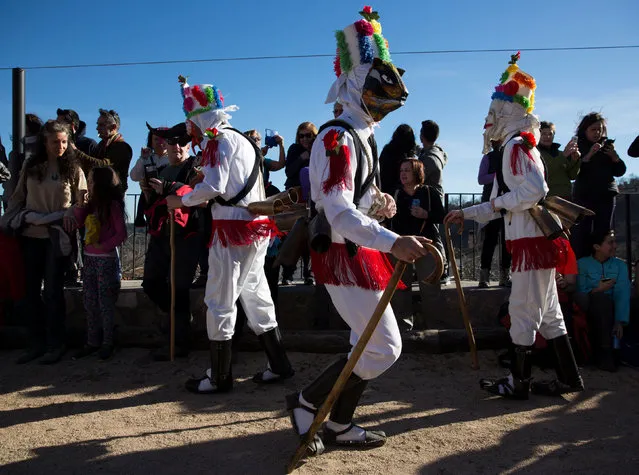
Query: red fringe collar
369	269
235	232
534	253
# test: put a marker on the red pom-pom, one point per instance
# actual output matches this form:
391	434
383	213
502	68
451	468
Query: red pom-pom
188	104
364	27
511	88
200	95
529	139
367	9
330	140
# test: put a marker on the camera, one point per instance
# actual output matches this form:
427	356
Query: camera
606	141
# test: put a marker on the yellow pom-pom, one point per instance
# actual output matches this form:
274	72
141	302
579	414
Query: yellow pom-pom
531	107
377	27
512	68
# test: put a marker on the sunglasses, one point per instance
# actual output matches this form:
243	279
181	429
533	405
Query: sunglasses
305	136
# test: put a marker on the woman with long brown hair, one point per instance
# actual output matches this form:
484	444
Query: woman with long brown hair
50	183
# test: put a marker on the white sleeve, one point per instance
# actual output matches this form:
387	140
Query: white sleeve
137	172
524	176
337	201
215	177
483	212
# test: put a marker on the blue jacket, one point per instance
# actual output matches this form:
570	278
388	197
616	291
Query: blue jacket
591	271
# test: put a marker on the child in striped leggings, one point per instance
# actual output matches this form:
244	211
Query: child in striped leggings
104	219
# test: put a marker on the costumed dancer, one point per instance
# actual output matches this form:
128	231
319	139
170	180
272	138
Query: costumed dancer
232	179
534	304
355	269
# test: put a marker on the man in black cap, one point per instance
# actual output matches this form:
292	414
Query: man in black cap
174	179
84	143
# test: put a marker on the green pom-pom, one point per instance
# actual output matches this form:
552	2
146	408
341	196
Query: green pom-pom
504	76
384	54
524	101
209	95
344	55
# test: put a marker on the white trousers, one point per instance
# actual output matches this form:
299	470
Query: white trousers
237	272
534	307
356	307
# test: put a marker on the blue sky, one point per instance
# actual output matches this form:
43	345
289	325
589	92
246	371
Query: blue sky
453	89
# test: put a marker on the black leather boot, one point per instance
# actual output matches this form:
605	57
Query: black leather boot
220	378
278	362
520	370
568	376
342	413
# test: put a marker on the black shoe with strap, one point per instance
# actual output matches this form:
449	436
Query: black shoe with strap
220	380
279	366
315	446
520	369
371	439
568	377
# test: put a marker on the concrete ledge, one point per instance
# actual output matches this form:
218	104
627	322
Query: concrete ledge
320	341
306	317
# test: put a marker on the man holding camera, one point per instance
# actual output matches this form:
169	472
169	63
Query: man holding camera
174	179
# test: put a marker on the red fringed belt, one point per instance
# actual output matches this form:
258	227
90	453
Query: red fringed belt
369	269
235	232
534	253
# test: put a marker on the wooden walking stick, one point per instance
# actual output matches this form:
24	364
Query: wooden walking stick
350	364
462	299
172	278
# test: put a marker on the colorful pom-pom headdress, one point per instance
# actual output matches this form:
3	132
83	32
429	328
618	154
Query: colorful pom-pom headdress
204	104
360	43
516	86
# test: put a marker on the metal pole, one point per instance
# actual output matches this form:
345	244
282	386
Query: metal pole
628	235
19	107
135	208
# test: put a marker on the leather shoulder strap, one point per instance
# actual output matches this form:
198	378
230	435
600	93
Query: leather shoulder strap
258	166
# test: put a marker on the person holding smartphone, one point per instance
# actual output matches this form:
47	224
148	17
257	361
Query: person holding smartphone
595	186
153	159
603	290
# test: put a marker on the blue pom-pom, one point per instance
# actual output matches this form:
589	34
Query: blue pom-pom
366	53
502	96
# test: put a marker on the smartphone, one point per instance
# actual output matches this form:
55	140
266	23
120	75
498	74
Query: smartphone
606	280
150	171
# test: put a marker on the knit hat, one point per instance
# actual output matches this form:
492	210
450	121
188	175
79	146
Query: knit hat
516	86
360	43
204	104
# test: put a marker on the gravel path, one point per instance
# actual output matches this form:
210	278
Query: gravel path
130	415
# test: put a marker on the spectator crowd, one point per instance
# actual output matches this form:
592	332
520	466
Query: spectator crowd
64	222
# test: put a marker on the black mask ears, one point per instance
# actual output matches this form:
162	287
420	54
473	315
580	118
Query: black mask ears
401	72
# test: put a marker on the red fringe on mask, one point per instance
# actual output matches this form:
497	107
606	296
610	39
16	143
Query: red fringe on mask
534	253
515	164
369	269
235	232
339	174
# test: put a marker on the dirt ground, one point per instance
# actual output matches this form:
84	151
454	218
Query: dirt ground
131	415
